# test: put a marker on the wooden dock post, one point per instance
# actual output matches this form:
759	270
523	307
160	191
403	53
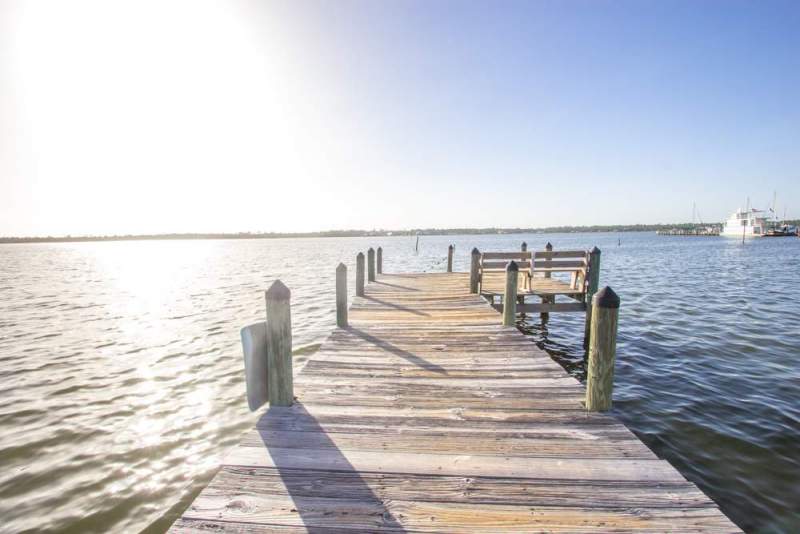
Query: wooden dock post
371	265
450	258
279	345
602	350
380	260
548	248
341	295
523	248
591	288
544	316
510	295
360	274
473	270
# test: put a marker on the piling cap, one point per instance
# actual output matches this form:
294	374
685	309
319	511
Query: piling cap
371	249
595	250
380	248
278	291
524	244
549	246
475	251
512	267
360	255
451	247
606	298
341	267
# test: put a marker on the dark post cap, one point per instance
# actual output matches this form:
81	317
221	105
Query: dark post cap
524	244
278	291
451	247
512	267
549	246
371	249
595	250
380	248
341	267
475	251
360	255
606	298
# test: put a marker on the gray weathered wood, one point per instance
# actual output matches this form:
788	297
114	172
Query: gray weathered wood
360	274
501	265
254	345
602	351
545	316
545	307
474	265
371	265
547	248
558	254
510	295
450	258
341	295
427	415
379	260
593	282
279	345
516	256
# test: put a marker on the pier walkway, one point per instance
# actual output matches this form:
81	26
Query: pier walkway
427	415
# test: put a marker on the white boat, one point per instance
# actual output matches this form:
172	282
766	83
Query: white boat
746	223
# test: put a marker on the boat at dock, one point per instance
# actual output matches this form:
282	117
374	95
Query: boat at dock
784	230
753	222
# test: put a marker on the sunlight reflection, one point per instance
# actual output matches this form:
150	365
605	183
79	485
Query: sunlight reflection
150	271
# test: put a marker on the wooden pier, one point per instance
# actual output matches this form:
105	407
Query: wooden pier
423	413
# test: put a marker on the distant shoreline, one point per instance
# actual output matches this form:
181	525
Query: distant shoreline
359	233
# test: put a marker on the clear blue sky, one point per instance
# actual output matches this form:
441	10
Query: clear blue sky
317	115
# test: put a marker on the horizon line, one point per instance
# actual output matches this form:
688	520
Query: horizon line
354	233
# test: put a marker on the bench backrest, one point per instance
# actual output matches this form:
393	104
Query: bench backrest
497	261
575	262
541	262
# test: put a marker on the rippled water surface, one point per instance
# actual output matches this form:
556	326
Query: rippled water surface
121	378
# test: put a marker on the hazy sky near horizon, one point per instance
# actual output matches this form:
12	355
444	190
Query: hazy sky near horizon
180	116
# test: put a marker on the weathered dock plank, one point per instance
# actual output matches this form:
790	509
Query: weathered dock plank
426	415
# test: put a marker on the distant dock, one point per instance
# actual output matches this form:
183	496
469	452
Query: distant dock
426	410
696	232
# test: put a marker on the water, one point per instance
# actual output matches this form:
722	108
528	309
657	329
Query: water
121	378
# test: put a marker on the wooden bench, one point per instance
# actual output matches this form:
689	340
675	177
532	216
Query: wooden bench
536	272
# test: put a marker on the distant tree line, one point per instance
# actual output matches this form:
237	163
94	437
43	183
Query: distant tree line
364	233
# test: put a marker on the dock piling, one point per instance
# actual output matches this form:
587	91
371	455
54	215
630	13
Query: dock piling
510	295
524	247
341	295
380	260
450	258
279	345
602	351
591	288
544	316
360	274
473	270
371	265
548	248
